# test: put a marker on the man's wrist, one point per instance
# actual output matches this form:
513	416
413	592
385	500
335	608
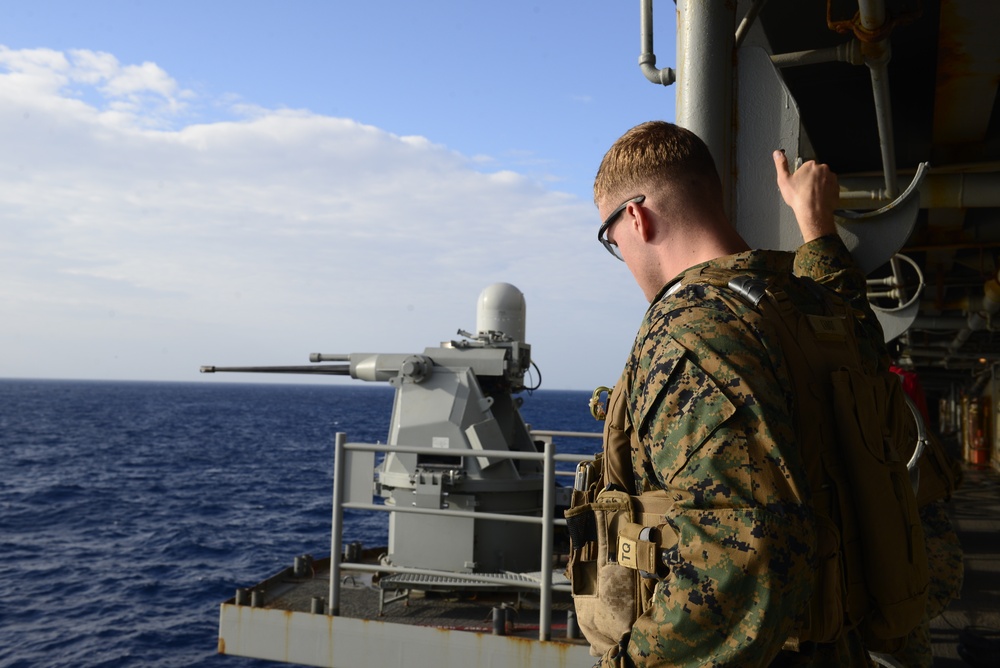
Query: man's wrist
814	225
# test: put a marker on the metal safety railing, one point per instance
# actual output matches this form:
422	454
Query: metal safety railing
547	521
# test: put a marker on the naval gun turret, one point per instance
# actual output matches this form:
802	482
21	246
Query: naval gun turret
459	400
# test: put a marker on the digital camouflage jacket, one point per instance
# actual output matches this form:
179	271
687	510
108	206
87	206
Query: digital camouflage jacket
708	396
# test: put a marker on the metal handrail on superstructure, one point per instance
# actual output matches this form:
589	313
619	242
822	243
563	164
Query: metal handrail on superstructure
547	520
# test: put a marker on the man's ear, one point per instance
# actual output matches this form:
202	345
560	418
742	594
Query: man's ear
642	221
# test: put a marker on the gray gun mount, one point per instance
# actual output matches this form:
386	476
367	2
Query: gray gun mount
458	399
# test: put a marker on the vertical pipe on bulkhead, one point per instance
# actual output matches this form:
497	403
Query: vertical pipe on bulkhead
705	81
877	55
647	58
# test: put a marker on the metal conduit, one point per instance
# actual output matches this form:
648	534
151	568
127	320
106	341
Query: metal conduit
938	323
872	13
848	52
877	56
744	27
938	191
647	59
981	379
977	320
940	352
960	361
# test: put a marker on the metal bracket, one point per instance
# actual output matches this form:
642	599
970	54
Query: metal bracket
903	198
875	236
896	321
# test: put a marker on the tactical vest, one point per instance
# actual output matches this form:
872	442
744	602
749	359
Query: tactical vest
851	424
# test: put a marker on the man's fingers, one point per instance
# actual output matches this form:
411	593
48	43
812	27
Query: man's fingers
781	164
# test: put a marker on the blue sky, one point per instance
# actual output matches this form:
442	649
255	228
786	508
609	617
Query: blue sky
228	182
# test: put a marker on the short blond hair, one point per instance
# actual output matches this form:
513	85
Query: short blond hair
655	155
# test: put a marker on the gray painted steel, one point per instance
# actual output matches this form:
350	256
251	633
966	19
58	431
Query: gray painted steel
341	642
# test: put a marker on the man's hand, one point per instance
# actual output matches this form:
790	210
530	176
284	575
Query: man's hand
812	193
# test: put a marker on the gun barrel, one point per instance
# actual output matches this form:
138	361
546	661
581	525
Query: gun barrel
329	357
321	369
378	367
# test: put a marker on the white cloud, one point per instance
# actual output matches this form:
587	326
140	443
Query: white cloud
137	95
266	237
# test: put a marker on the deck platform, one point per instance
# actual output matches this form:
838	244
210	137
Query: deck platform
974	509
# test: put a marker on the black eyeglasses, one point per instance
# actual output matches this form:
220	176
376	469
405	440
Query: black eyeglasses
610	220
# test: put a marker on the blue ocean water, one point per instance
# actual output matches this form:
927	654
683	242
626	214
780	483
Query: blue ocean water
130	510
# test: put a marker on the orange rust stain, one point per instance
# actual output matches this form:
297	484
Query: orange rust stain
526	647
288	635
222	646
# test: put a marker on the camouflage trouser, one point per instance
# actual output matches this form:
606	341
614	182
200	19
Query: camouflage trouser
944	556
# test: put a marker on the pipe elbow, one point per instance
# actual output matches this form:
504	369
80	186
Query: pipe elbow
664	76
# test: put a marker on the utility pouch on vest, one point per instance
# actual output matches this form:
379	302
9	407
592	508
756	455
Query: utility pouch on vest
643	542
608	595
637	551
604	591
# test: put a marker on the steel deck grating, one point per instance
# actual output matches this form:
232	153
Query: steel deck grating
445	582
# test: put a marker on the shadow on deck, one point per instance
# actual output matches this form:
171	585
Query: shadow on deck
975	513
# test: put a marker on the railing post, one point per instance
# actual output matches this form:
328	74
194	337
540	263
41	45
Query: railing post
337	525
548	510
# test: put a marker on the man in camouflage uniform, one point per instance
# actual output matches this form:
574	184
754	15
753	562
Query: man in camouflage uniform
709	411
